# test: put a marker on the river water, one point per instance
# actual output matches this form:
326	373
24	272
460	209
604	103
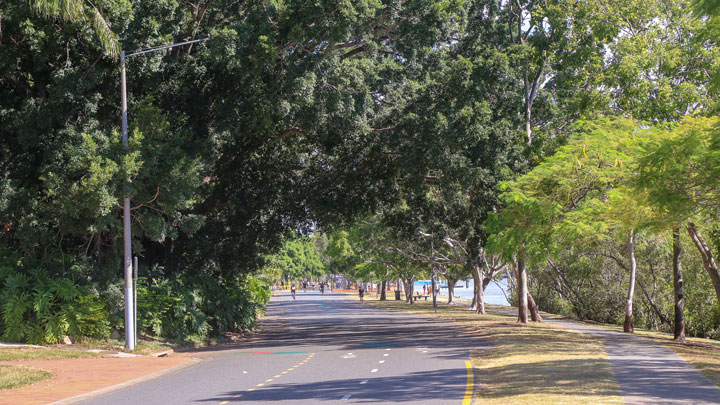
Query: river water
494	293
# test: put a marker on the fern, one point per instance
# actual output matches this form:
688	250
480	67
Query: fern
14	306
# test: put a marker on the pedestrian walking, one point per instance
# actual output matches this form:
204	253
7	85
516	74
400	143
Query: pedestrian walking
361	291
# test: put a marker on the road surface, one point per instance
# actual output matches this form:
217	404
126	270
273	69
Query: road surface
325	348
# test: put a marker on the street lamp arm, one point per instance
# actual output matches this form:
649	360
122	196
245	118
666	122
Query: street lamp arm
158	48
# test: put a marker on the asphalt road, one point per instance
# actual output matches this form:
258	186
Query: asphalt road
325	348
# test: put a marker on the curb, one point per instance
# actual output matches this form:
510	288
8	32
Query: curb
92	394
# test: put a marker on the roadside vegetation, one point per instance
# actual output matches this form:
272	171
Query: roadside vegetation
571	145
18	376
43	354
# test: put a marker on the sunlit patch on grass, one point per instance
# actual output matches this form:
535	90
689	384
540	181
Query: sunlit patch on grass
36	354
535	364
18	376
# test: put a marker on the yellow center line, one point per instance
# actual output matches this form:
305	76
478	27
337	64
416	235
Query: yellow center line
467	399
272	379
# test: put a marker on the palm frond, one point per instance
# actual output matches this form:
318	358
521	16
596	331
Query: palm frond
74	11
67	10
107	37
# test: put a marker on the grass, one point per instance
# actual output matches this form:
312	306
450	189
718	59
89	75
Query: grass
18	376
143	347
705	357
41	354
537	364
702	354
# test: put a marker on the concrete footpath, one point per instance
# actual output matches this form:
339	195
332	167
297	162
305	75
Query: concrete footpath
648	372
81	378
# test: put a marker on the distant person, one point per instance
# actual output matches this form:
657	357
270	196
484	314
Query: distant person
361	291
292	290
424	289
304	286
322	288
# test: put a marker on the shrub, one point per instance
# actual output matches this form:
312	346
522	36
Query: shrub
39	309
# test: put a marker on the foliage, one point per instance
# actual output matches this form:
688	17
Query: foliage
298	259
387	124
198	307
39	309
680	171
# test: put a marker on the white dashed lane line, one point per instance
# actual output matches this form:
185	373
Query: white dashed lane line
345	398
374	370
363	382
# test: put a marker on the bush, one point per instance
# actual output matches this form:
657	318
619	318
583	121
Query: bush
195	307
39	309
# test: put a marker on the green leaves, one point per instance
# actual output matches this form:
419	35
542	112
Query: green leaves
298	258
679	171
40	309
77	11
580	193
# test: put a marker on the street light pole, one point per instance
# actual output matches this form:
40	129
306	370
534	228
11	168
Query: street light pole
130	332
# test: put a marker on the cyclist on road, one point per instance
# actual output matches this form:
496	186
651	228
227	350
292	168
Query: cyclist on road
292	290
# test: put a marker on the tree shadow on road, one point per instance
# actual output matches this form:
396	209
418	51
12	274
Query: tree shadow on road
437	386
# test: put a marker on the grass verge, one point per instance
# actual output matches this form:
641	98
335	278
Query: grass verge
536	364
35	354
18	376
143	347
702	354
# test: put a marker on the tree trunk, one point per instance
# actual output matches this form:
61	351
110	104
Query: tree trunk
628	326
534	311
476	285
479	290
678	288
409	290
451	290
707	257
383	296
434	288
522	293
528	126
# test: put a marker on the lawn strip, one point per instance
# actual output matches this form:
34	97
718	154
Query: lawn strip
34	354
19	376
